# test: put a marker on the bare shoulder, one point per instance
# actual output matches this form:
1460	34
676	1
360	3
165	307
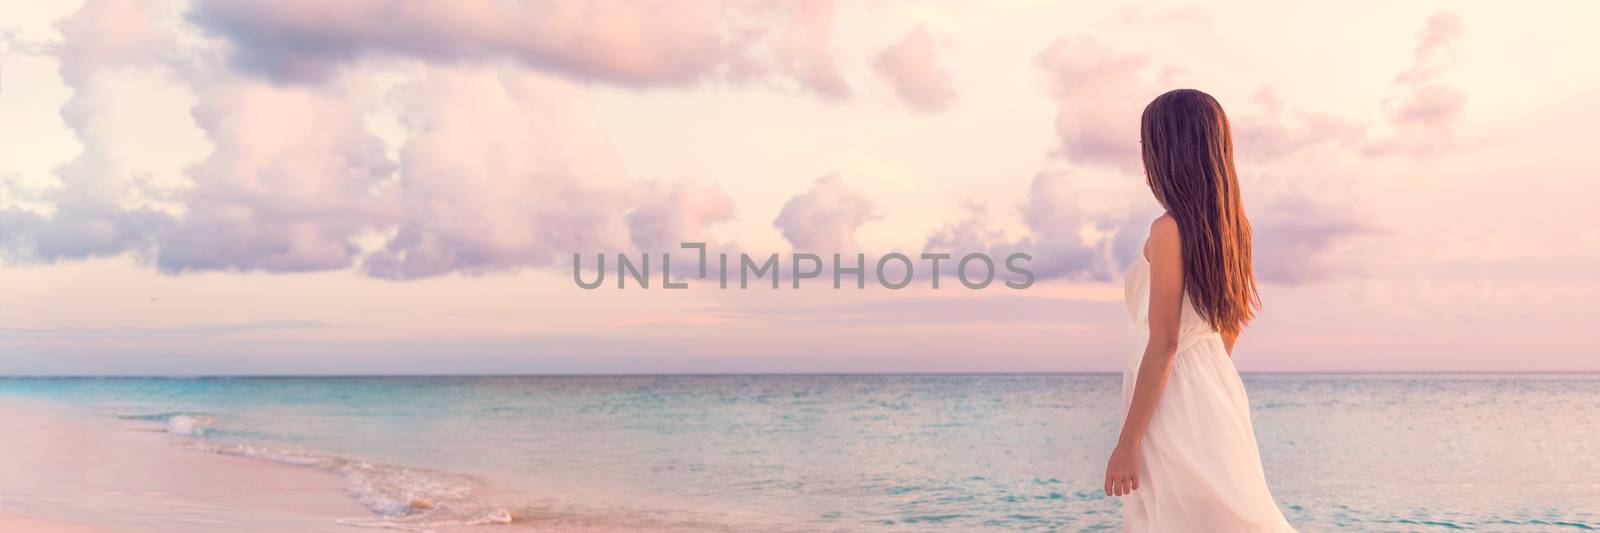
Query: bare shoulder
1164	240
1164	224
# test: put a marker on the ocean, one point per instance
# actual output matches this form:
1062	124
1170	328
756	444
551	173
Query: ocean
1363	452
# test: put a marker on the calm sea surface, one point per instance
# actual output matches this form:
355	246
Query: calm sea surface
1414	452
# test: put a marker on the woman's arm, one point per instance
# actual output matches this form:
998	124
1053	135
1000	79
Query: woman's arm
1165	254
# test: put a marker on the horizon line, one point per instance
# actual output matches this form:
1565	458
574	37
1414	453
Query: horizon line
766	374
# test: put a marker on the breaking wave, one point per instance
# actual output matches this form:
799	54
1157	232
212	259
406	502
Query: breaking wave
400	497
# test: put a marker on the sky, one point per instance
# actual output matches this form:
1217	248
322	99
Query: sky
381	186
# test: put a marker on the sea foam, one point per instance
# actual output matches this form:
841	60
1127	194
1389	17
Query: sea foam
401	497
177	422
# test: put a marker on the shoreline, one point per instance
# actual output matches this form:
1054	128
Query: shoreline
69	470
72	470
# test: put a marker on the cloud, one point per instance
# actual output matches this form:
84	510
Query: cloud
1056	219
676	212
1425	106
1293	235
1419	118
635	44
90	214
805	50
911	66
111	34
1066	239
824	219
1100	94
501	169
293	179
977	232
497	168
1270	131
504	165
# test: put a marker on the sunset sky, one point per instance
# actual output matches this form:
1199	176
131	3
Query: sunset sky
383	186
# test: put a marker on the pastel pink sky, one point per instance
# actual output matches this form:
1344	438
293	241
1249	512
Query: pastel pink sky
382	186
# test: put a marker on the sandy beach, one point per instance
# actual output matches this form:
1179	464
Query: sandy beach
40	525
69	471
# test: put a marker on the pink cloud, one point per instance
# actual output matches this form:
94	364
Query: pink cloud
502	169
912	67
638	44
1295	234
101	39
806	49
1055	218
1419	117
292	180
977	232
1100	93
1425	105
824	219
1269	131
676	212
499	168
111	34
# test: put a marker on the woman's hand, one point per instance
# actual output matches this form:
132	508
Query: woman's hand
1122	471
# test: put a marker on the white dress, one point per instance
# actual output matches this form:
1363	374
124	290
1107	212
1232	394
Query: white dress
1200	469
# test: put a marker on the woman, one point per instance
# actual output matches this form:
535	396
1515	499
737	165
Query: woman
1186	459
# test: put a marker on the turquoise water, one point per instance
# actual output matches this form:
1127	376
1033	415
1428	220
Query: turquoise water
875	452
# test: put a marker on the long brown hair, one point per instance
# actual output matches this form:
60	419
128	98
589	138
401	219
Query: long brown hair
1188	163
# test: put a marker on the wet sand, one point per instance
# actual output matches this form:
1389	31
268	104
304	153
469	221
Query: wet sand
73	471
